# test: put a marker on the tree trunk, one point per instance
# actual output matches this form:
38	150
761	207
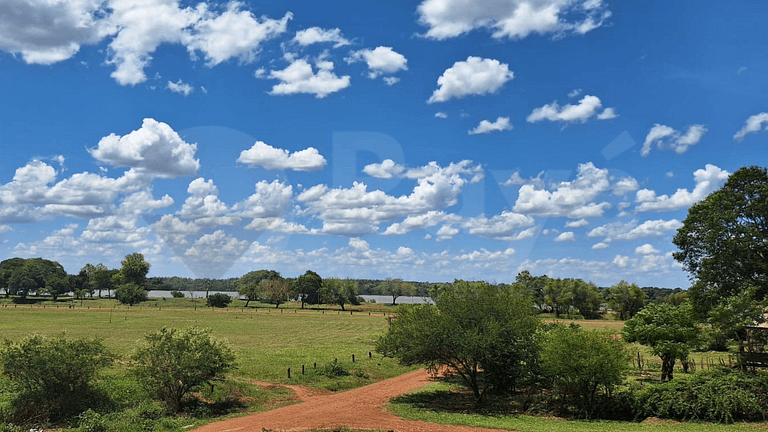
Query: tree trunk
667	367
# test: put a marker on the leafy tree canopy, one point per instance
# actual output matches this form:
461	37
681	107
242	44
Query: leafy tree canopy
724	240
669	330
481	332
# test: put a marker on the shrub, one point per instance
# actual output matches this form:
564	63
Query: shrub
130	294
218	300
332	370
177	294
53	377
718	395
175	362
581	362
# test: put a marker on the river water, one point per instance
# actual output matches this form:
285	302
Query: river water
368	298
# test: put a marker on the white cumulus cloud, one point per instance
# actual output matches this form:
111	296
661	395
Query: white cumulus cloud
299	77
381	61
180	87
154	149
587	108
707	181
271	158
315	35
485	126
475	76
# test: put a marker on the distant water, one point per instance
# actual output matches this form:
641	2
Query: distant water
368	298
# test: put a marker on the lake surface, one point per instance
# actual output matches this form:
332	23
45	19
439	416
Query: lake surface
368	298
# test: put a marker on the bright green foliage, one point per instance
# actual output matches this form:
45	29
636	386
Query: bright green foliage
396	288
36	274
563	295
483	333
306	288
720	395
625	299
724	240
175	362
99	277
275	291
670	332
339	291
732	315
134	269
581	362
55	374
130	294
218	300
535	284
249	285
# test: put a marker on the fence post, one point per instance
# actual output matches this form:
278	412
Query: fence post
302	369
370	355
353	358
289	373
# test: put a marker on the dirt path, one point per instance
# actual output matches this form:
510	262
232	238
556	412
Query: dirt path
355	409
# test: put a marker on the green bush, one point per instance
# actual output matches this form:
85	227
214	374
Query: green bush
582	363
130	294
53	377
332	370
177	294
175	362
719	395
218	300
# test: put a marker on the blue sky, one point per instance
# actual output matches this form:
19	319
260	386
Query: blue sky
428	141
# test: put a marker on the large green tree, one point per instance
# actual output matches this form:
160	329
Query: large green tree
669	330
249	284
625	299
134	269
724	240
535	284
275	291
483	333
306	288
396	288
38	275
339	291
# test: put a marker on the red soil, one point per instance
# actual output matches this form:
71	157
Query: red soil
354	409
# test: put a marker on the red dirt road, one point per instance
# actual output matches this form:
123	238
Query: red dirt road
355	409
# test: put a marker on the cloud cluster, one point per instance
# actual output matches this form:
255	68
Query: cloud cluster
707	180
300	77
315	35
513	19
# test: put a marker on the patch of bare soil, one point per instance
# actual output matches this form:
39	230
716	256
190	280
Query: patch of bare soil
355	409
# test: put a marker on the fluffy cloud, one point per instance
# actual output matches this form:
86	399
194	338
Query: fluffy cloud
753	124
667	138
203	202
215	253
232	34
633	231
388	169
384	170
315	35
573	199
566	236
144	26
646	249
485	126
357	211
46	32
299	77
180	87
505	226
707	181
587	108
263	155
423	221
475	76
270	200
381	61
154	149
513	19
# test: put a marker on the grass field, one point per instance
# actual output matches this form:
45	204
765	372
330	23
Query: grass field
269	341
